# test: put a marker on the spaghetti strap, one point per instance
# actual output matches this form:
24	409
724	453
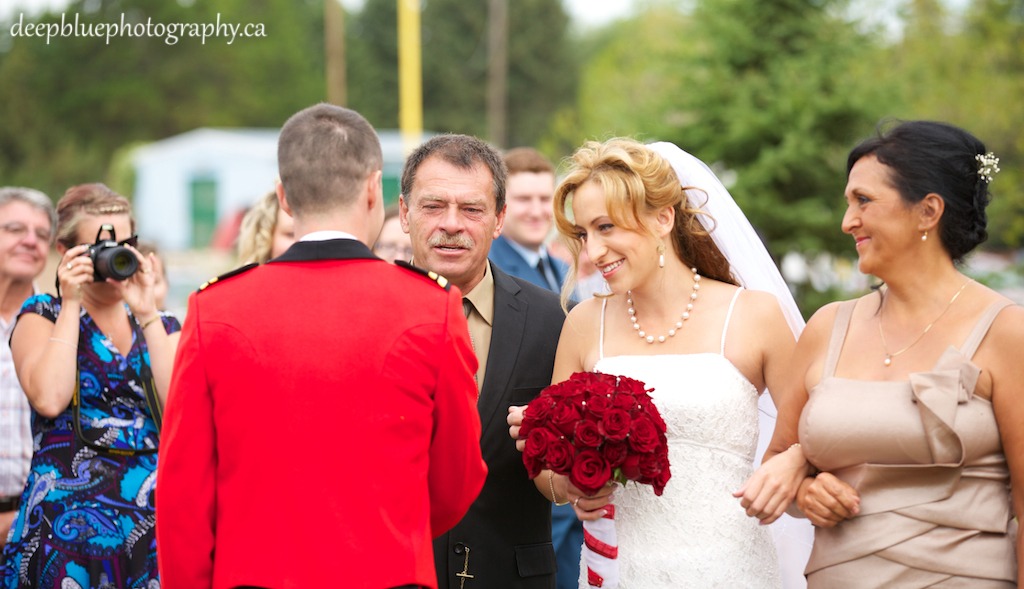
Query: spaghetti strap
981	329
835	345
600	338
728	317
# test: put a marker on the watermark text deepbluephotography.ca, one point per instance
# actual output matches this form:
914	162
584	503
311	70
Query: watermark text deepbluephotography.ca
171	33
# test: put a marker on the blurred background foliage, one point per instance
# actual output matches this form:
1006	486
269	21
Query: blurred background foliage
772	93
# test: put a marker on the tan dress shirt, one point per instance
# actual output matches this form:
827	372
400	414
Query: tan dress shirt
481	320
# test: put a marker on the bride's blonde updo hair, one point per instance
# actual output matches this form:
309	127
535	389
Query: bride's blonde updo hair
637	182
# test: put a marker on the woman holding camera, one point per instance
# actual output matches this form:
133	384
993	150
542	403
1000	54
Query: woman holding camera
95	364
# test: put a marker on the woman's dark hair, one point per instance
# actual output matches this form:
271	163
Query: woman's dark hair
926	157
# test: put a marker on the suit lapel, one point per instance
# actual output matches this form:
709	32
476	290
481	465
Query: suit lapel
506	338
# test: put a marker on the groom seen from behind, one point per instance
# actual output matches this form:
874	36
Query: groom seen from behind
453	206
321	427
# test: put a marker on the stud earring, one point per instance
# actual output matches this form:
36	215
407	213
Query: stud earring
661	256
925	236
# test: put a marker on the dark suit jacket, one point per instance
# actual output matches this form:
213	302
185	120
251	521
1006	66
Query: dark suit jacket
508	528
509	260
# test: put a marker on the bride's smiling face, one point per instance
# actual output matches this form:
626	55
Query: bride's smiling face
625	256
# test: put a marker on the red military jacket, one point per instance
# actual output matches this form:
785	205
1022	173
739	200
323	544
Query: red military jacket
321	426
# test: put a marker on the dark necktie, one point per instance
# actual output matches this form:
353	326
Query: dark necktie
547	271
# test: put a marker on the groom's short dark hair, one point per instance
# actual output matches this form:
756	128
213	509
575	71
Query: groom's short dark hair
323	154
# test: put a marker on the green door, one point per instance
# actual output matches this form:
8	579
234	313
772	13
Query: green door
204	211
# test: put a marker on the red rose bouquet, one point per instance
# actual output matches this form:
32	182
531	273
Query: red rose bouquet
595	428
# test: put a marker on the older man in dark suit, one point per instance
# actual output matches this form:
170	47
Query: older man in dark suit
453	206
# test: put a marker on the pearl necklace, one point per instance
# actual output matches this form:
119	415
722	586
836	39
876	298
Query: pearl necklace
679	324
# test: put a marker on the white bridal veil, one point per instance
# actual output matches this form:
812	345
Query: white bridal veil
754	268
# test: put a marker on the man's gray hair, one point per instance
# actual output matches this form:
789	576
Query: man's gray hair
31	197
461	151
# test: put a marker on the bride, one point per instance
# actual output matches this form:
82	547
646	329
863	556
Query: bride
680	320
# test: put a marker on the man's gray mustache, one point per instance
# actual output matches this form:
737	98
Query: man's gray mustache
449	240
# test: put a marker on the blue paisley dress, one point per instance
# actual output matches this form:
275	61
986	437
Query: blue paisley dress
87	519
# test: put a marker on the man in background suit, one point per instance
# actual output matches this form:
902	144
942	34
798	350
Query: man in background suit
453	206
520	251
529	215
321	425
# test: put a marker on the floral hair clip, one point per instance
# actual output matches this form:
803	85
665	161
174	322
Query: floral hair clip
988	166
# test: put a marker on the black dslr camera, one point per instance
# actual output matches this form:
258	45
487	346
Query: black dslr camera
110	258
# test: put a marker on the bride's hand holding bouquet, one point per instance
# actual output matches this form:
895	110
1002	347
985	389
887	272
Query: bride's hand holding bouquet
595	429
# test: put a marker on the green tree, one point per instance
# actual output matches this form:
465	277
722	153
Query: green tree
542	66
776	92
968	70
67	106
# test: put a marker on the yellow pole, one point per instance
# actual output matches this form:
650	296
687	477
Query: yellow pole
410	74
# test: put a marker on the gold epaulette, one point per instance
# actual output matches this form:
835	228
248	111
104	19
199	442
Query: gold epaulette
434	276
227	275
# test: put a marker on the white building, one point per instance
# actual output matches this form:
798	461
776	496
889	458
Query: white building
186	185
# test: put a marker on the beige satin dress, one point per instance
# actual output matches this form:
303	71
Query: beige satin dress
926	458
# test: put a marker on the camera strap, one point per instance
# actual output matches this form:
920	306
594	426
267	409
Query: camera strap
156	409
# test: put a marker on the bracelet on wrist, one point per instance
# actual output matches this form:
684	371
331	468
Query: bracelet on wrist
64	341
554	498
151	321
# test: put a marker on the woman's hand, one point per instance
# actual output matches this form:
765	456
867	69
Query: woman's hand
770	490
74	271
826	500
515	421
587	507
137	290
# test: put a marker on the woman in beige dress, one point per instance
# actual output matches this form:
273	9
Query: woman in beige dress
910	400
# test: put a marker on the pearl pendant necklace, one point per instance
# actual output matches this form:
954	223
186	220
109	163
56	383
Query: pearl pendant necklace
881	313
679	324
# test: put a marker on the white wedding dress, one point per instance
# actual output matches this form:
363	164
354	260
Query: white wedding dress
695	534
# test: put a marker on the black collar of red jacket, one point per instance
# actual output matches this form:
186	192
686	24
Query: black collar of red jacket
329	249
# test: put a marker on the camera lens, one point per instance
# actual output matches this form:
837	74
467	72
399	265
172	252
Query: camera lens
116	262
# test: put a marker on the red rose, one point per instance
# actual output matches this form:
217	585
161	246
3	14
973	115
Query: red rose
648	407
536	449
587	435
601	388
650	467
590	472
615	424
633	387
662	478
631	467
539	409
564	417
597	406
625	401
591	379
559	457
615	453
643	435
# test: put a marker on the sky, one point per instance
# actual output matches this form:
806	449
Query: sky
586	13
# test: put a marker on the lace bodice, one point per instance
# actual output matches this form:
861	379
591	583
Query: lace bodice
696	534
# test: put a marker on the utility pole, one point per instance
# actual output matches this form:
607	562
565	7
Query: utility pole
497	72
410	74
334	50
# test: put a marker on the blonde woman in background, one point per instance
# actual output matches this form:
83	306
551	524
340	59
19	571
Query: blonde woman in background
266	232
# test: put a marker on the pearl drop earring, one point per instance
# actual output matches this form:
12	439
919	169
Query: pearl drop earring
661	256
925	236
